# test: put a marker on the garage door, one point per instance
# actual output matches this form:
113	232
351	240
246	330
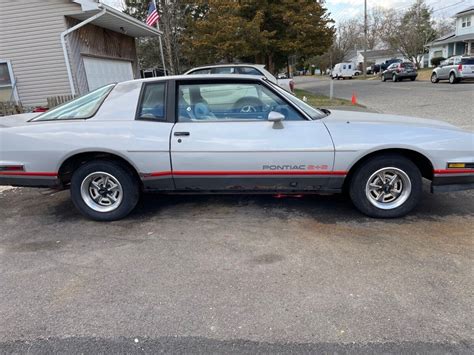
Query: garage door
101	72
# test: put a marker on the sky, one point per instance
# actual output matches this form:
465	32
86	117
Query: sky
346	9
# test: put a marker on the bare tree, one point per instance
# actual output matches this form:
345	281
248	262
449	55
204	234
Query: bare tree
415	31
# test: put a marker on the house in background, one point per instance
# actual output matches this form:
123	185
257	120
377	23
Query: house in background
459	42
64	47
380	56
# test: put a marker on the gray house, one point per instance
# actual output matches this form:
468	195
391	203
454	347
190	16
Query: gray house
64	47
459	42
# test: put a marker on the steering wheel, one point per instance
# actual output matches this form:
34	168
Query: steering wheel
249	105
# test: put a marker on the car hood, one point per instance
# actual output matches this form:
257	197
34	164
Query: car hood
16	120
368	118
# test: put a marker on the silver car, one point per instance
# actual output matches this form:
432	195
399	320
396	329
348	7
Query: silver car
454	69
227	134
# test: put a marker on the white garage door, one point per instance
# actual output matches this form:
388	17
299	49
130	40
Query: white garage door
101	72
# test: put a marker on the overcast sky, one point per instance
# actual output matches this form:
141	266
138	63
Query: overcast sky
344	9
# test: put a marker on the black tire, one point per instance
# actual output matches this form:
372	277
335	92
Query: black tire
384	79
452	78
434	78
394	78
360	179
413	78
128	182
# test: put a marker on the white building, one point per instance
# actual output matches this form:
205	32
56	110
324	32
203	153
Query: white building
459	42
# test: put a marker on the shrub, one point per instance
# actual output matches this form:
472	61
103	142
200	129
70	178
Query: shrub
437	60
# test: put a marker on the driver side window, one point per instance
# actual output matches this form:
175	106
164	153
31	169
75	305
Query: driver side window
230	101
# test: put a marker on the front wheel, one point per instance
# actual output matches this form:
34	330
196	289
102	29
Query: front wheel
386	187
383	78
104	190
434	78
394	78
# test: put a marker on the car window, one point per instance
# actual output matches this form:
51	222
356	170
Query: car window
349	66
344	66
224	70
249	71
230	101
468	61
457	61
450	61
152	104
81	108
201	71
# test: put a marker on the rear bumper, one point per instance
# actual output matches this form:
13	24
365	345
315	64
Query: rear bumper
450	183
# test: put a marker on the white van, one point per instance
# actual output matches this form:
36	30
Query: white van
344	70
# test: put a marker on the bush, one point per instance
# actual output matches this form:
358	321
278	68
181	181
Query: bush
437	60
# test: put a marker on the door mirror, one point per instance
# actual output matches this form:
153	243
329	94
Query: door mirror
274	116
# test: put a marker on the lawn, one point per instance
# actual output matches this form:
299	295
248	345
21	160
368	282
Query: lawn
320	100
424	74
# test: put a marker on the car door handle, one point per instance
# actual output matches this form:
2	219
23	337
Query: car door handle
181	134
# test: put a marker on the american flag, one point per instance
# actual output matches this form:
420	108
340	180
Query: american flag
153	16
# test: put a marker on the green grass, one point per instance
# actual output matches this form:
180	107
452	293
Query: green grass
320	100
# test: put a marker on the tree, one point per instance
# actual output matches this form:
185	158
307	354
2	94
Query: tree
171	23
415	31
266	31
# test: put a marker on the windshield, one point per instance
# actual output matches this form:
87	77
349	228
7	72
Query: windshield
81	108
314	113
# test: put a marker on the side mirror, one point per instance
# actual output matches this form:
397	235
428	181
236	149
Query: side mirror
276	118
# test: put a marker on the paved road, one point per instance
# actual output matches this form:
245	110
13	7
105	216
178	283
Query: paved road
451	103
235	274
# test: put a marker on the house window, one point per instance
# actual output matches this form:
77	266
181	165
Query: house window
466	21
7	82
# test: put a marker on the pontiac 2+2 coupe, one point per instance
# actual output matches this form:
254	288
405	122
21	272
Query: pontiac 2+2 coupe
220	134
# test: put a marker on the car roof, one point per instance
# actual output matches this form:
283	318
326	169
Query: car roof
204	77
228	65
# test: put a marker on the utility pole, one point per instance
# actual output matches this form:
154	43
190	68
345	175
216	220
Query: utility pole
364	65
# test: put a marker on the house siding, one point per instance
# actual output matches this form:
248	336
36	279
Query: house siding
98	42
33	46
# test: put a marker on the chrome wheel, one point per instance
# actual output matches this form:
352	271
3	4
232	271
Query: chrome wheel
388	188
102	192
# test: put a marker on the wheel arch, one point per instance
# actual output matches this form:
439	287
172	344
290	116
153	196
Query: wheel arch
72	162
423	163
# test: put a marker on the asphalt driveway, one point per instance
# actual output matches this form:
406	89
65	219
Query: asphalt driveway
442	101
235	274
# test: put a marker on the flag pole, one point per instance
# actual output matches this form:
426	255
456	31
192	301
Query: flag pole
159	39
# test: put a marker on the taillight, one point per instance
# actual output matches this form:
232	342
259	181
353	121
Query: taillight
292	85
460	68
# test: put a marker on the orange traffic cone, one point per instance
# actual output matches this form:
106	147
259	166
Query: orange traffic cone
354	98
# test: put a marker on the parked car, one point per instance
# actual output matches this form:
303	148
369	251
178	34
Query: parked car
244	69
369	70
343	71
454	69
227	134
399	71
389	62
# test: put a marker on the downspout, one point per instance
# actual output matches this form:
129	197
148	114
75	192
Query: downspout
63	44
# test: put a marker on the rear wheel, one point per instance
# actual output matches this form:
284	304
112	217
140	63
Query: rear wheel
104	190
452	78
386	187
383	78
394	78
413	78
434	78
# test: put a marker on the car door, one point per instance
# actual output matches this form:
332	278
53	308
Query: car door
445	68
223	140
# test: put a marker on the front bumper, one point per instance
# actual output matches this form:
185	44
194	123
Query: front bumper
449	183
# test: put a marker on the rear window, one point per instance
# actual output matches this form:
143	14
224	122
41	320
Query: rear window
81	108
468	61
408	65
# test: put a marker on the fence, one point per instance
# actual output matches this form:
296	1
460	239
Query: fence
8	108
